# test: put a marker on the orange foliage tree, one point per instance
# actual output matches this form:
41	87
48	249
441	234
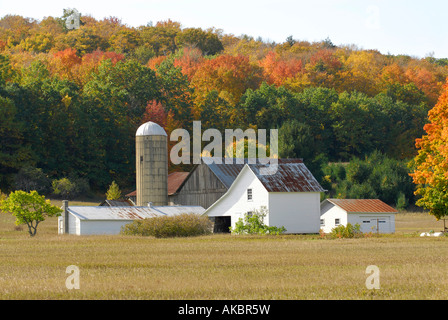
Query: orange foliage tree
90	63
431	163
230	75
189	61
63	63
278	69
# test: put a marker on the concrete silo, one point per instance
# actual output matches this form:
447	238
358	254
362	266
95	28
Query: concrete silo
152	165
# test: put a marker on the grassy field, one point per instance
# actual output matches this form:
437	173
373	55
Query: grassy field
224	266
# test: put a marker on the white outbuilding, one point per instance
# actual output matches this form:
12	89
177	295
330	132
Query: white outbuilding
290	196
372	215
108	220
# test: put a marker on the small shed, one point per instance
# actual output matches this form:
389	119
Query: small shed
373	215
101	220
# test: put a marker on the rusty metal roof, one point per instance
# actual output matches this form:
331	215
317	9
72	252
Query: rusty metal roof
291	175
362	205
130	213
175	180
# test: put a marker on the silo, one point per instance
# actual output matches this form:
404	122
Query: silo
152	165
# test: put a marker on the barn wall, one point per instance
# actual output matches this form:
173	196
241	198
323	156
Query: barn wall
368	222
235	203
97	227
73	224
202	188
298	212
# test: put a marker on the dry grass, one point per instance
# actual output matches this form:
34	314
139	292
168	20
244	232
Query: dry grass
223	266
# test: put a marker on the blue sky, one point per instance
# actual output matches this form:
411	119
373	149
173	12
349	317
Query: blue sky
416	28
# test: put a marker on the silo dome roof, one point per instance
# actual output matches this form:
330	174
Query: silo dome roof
150	129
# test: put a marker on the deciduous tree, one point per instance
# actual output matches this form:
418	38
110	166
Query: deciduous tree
431	164
29	208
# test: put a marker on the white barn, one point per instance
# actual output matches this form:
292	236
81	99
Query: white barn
291	197
372	215
108	220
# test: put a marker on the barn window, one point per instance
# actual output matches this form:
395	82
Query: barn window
249	194
366	221
322	222
337	221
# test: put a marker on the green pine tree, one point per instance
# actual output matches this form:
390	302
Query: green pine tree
113	193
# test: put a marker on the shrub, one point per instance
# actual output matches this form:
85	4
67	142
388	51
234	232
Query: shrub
29	178
402	201
183	225
70	188
349	231
254	224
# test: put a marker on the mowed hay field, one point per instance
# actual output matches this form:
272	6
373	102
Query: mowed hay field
224	266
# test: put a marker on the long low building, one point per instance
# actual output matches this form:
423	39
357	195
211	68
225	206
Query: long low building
102	220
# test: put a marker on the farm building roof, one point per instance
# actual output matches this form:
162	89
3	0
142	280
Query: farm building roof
130	213
291	175
175	179
116	203
362	205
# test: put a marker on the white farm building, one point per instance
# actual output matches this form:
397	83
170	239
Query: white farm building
291	198
105	220
372	215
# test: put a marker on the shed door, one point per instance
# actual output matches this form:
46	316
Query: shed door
376	224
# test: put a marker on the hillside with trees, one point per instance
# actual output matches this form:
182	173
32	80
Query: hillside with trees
72	99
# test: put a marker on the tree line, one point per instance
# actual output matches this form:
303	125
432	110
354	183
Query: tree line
71	100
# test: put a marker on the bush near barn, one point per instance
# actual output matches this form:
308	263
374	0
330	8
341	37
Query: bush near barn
183	225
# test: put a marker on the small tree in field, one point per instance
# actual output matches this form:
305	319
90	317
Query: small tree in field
113	193
29	208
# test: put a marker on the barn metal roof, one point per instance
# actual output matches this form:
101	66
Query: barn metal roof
226	173
175	179
291	175
362	205
116	203
130	213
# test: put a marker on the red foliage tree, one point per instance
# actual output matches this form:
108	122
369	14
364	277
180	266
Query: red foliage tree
155	112
277	69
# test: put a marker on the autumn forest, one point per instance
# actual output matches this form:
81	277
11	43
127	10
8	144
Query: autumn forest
72	99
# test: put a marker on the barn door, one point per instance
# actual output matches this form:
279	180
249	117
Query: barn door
222	225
